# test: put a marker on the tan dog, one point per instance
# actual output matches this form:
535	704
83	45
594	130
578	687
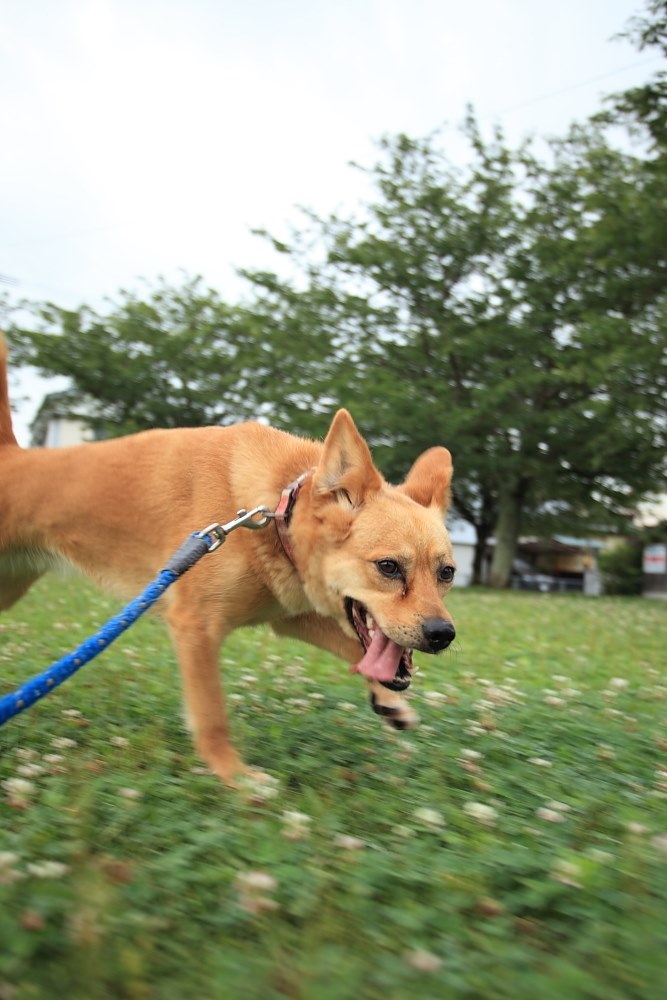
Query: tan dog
368	567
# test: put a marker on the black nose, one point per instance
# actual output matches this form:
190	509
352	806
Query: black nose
438	633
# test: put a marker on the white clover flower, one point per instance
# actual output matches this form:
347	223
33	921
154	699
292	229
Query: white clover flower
434	697
484	705
29	770
567	872
48	869
405	832
19	790
660	842
349	843
63	743
422	960
484	814
256	881
259	787
132	794
295	818
119	741
253	888
26	753
619	683
554	701
8	873
429	817
473	728
296	825
540	762
298	702
549	815
346	706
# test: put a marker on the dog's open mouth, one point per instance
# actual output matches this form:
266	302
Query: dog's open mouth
383	660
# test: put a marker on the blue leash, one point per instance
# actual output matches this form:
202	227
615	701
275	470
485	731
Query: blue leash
192	550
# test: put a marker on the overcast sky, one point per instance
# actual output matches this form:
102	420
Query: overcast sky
147	137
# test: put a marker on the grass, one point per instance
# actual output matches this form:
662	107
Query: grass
514	846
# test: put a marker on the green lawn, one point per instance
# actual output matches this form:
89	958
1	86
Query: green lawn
514	846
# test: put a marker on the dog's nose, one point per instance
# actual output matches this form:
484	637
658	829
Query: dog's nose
438	633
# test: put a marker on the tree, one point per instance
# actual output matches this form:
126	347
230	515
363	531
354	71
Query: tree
512	310
178	357
643	109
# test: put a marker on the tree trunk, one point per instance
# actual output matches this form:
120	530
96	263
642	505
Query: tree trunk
478	557
482	515
510	504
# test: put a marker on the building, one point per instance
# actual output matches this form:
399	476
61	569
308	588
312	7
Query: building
57	423
463	537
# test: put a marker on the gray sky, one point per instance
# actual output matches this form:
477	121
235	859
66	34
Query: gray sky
147	137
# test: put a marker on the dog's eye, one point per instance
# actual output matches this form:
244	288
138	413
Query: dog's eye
446	574
390	568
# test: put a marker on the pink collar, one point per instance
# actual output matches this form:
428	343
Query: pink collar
283	513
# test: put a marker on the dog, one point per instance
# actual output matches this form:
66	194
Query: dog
359	568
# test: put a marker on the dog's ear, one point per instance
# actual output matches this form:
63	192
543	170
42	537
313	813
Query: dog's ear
345	472
429	479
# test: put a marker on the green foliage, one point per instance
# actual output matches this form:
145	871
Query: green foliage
512	846
513	309
621	568
644	109
178	358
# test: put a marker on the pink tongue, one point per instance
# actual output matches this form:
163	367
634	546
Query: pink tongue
381	659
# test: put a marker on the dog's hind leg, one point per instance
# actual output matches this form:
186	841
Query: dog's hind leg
14	586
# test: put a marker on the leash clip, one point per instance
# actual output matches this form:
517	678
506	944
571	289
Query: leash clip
256	518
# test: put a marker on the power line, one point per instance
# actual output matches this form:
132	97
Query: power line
573	86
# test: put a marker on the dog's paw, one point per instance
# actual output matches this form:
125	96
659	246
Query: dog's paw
393	709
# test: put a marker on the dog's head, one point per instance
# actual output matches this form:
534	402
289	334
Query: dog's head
378	558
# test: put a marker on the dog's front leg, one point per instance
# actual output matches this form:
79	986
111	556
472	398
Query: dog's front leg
393	708
197	638
327	634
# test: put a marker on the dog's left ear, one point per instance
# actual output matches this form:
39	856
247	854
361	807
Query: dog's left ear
345	472
429	479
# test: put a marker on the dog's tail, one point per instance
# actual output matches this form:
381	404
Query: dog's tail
6	429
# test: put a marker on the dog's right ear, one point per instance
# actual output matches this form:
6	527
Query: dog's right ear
345	472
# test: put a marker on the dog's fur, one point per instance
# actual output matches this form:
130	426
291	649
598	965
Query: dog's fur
118	509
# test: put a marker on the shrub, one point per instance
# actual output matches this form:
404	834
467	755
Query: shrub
621	568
